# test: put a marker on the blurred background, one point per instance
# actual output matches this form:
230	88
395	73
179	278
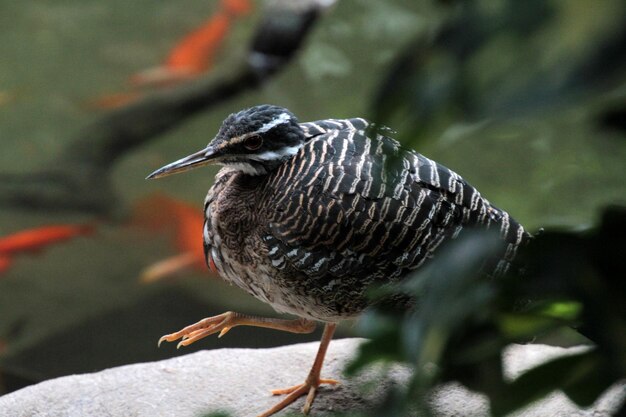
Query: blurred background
526	100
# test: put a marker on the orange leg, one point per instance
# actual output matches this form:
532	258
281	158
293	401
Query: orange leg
222	323
309	387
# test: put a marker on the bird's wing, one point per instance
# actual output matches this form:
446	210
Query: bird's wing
354	202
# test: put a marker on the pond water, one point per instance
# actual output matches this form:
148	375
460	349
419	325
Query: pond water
532	144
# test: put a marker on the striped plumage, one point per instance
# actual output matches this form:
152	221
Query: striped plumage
351	208
307	216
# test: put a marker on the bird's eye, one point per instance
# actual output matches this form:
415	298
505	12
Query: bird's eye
253	142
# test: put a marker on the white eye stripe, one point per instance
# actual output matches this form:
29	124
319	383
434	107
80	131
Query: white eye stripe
278	154
281	119
246	168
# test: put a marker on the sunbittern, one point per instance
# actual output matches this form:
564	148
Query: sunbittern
307	216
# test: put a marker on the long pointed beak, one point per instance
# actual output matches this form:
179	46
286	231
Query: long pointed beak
198	159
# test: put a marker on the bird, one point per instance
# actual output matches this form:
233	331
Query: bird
308	216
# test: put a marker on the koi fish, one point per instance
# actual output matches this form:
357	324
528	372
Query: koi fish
31	240
168	267
34	240
192	56
195	53
184	221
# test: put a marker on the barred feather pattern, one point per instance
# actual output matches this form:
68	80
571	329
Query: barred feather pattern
352	208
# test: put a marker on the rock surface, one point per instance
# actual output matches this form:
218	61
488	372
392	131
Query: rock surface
238	381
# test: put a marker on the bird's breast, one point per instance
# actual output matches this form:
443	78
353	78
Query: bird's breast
232	242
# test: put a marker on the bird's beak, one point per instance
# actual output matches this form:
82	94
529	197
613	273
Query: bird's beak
198	159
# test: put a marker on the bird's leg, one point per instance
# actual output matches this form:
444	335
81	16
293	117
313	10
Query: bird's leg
222	323
309	387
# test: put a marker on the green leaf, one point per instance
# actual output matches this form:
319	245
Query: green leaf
564	310
515	326
577	375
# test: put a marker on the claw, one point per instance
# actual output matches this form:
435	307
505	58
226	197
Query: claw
165	338
224	331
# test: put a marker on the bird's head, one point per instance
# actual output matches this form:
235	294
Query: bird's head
254	141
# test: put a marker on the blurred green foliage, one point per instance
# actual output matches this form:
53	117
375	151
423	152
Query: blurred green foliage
490	68
464	320
499	59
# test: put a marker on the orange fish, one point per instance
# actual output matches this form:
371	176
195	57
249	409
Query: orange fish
192	56
185	221
195	53
169	267
33	240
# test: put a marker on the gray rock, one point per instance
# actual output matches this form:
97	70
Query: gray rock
239	380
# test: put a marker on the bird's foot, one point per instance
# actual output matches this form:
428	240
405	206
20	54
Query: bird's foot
222	323
312	382
308	388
